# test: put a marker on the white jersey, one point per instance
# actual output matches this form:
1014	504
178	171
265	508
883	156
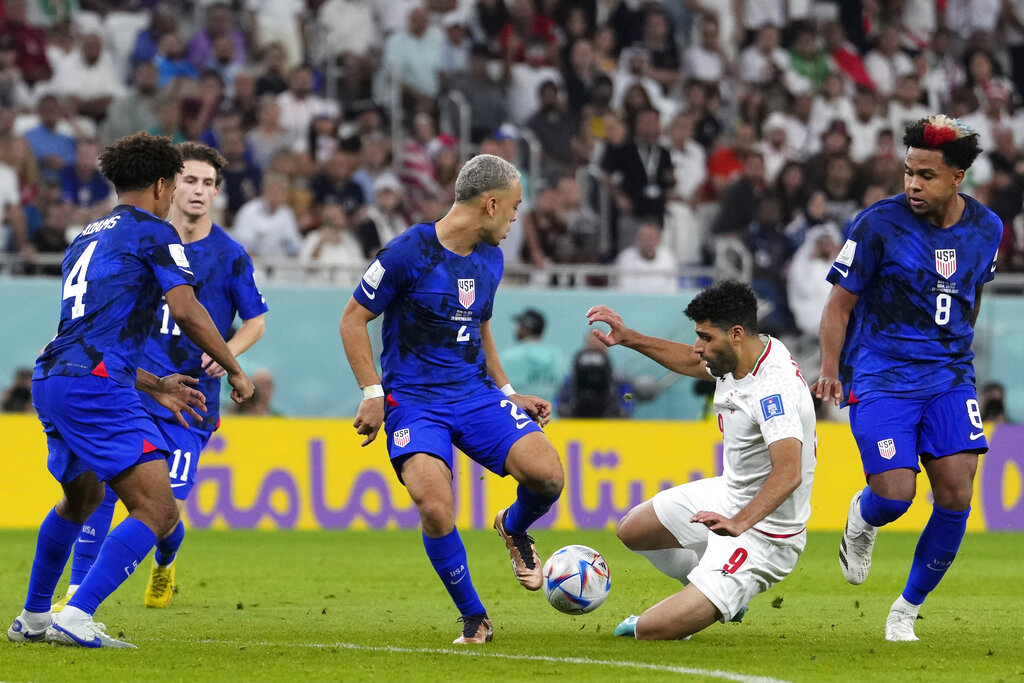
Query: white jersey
769	404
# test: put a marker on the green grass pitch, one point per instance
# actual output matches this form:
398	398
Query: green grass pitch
361	605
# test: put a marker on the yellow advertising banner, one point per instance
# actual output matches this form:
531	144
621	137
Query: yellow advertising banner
282	473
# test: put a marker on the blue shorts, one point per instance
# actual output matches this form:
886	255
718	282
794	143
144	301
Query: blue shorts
94	424
183	447
483	427
892	432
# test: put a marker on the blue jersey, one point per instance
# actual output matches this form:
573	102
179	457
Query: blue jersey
225	286
114	274
910	332
433	302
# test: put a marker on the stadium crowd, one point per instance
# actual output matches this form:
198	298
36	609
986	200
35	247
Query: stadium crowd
656	137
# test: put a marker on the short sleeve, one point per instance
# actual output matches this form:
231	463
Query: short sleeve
163	251
245	294
859	258
497	266
777	411
385	278
989	272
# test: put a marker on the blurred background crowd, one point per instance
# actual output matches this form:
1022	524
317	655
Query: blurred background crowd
662	143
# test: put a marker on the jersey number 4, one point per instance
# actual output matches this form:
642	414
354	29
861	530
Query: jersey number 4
76	284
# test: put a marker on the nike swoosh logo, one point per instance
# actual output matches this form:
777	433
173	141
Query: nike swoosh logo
975	437
86	540
460	579
367	292
520	425
180	483
95	642
844	273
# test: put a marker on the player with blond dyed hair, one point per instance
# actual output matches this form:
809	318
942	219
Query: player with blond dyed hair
896	338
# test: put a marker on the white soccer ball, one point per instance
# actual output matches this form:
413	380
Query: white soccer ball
576	579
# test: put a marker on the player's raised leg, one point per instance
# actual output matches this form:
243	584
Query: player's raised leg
145	491
429	482
533	462
53	547
87	547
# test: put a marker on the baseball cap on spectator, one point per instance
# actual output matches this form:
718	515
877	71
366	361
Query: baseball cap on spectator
532	320
387	181
507	131
775	120
452	19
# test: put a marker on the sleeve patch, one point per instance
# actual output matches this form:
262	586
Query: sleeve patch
771	406
178	254
374	273
846	255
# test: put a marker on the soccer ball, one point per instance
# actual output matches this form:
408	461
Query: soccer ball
576	579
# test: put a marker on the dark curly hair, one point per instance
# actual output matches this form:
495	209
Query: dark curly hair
959	146
724	305
135	162
197	151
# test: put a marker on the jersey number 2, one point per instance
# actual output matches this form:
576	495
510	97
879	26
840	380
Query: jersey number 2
462	336
76	284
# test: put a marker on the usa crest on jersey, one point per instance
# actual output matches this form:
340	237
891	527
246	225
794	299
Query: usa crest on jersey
887	448
945	262
402	438
467	292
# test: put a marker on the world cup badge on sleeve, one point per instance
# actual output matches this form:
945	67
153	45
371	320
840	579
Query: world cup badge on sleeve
945	262
467	292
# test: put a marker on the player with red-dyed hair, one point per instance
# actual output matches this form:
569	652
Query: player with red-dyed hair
896	338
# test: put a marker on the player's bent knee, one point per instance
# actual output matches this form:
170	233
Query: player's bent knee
436	516
957	499
627	531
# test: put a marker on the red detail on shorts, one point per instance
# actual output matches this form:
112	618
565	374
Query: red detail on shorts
100	370
852	399
147	447
390	401
765	533
218	424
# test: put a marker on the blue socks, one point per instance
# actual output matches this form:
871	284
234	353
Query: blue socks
126	546
91	538
528	508
879	511
168	547
448	555
53	547
935	552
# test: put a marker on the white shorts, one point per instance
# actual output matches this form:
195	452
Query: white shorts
731	570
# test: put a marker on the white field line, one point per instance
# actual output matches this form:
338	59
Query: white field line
710	673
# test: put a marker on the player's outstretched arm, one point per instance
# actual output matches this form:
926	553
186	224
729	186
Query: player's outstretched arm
675	356
195	322
832	333
248	334
356	340
174	392
784	478
535	406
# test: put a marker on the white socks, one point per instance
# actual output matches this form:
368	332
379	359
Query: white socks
676	563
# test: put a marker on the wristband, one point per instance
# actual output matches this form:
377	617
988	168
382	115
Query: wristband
508	390
373	391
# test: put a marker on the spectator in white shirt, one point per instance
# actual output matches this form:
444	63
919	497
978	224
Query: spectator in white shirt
865	126
886	63
413	56
648	266
905	107
266	225
88	80
334	243
299	106
706	61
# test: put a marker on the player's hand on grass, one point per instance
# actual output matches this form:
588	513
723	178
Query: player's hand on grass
536	407
828	389
718	523
242	387
176	393
211	367
369	418
603	314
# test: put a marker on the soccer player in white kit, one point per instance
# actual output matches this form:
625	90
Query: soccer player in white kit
730	537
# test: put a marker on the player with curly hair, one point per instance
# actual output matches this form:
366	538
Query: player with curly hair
731	537
896	338
84	389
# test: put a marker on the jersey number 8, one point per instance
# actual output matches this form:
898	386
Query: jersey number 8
943	303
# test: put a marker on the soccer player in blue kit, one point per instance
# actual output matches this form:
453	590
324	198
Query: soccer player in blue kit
84	389
435	285
896	338
225	286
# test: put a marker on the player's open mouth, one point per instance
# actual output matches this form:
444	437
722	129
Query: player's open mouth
917	203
